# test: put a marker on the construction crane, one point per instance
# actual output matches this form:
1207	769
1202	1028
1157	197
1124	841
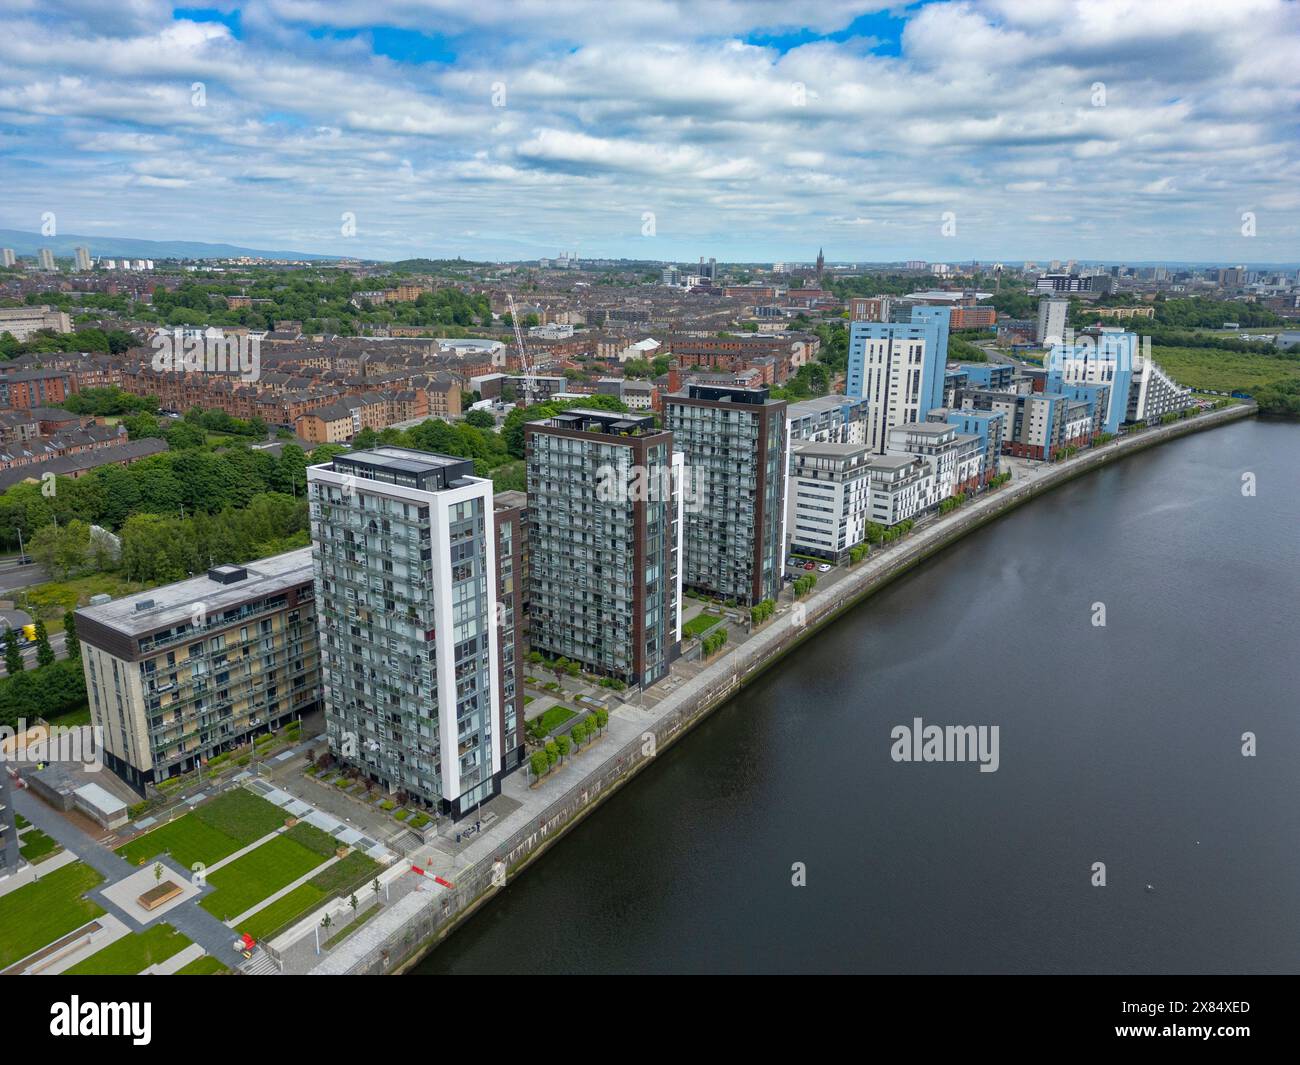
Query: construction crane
525	367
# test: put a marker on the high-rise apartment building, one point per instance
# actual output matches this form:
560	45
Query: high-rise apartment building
45	259
734	444
898	367
7	257
604	542
82	258
180	674
10	855
510	524
405	553
1051	321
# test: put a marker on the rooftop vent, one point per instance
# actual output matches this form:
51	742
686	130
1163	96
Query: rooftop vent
144	604
227	574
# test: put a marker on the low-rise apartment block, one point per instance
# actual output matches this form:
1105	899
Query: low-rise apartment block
180	674
829	498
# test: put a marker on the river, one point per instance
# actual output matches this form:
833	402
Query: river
1120	744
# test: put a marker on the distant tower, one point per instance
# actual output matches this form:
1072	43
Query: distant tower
821	265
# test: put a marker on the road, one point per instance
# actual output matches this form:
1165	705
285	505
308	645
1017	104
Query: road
996	354
58	641
14	576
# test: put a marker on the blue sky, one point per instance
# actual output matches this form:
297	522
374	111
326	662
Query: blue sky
662	129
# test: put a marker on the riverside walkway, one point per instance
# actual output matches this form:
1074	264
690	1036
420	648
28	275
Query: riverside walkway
644	726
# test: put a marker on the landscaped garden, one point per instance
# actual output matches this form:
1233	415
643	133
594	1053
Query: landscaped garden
266	869
133	953
342	878
549	720
36	846
210	832
38	913
700	624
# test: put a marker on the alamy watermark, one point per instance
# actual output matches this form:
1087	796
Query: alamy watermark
919	742
188	352
638	484
52	743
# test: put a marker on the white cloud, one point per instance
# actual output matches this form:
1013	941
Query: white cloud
989	110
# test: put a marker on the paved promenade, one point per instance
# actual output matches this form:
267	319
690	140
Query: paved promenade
536	815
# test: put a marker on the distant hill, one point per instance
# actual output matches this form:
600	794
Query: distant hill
117	247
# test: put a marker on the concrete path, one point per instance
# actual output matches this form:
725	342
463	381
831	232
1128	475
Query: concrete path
695	684
189	918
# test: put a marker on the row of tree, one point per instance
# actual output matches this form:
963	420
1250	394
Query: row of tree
54	687
190	482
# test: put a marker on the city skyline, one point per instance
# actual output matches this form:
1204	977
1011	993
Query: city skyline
945	131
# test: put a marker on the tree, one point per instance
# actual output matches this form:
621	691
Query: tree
70	631
602	718
539	763
44	652
481	419
13	655
353	903
563	744
62	549
552	750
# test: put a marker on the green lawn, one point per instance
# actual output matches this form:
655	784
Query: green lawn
133	953
36	914
35	845
551	719
1224	371
204	966
72	718
210	833
353	873
259	873
699	625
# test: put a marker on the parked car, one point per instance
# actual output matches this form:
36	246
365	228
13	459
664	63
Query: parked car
809	565
824	568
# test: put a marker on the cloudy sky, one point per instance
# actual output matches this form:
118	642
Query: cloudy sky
664	129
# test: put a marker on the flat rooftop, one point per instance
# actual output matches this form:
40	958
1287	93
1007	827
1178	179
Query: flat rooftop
426	470
819	405
892	462
174	604
512	498
945	295
829	448
582	419
925	428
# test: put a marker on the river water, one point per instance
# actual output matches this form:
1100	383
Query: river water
1120	744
